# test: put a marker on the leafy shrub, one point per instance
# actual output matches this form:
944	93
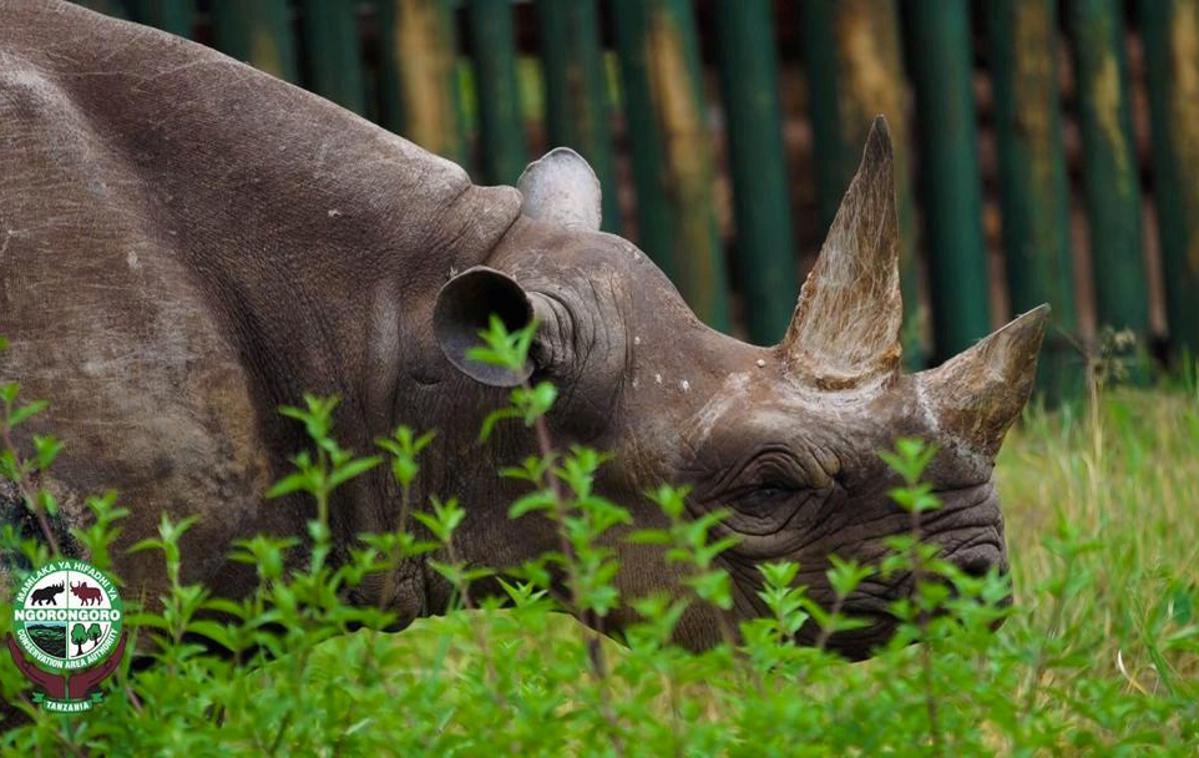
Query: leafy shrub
1099	653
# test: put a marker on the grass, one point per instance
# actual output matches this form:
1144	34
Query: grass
1100	652
1123	475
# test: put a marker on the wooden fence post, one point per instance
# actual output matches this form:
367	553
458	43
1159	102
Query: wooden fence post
174	16
666	121
854	62
1170	30
1110	180
501	128
765	245
332	60
419	76
952	191
258	33
576	93
1034	190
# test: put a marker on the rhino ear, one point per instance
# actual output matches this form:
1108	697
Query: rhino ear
561	188
463	309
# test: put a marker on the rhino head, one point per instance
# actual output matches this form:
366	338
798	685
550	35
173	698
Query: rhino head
785	437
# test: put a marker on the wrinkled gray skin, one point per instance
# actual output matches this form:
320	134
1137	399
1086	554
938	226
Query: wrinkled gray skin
186	244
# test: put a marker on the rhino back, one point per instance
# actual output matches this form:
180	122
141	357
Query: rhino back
186	243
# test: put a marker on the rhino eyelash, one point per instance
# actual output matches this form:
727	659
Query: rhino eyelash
765	494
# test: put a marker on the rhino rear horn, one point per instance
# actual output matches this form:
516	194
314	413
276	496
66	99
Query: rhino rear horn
976	396
464	308
562	188
844	333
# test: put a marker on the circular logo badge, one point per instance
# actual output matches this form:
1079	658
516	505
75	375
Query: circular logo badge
67	616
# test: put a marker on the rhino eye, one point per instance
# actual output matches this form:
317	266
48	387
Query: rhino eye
764	497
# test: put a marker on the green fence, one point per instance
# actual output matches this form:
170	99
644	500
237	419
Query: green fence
1046	152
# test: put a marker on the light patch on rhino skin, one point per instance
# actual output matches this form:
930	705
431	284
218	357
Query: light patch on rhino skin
132	260
945	438
334	213
636	340
658	378
385	328
685	385
733	391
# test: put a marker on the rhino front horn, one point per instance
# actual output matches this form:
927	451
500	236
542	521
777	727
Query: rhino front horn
976	396
844	334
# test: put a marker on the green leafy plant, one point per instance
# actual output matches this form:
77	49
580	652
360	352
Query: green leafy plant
1099	653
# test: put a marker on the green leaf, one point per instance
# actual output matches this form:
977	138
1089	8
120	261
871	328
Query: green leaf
9	391
47	502
539	500
46	450
26	411
494	418
291	483
649	537
714	587
780	574
352	469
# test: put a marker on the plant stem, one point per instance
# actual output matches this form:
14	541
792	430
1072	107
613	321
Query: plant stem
595	649
26	486
926	658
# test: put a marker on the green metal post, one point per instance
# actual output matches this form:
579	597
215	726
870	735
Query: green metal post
660	55
654	233
419	78
1171	33
749	84
576	93
1110	186
941	73
855	72
493	43
333	62
114	8
1034	190
174	16
258	33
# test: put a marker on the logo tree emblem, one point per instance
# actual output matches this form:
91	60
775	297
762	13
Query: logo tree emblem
78	637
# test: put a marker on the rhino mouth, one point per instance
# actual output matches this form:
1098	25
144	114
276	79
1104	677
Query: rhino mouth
975	555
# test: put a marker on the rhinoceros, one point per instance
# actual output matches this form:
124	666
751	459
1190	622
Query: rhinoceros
187	243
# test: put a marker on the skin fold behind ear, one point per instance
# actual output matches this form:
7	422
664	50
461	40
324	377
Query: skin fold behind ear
562	188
